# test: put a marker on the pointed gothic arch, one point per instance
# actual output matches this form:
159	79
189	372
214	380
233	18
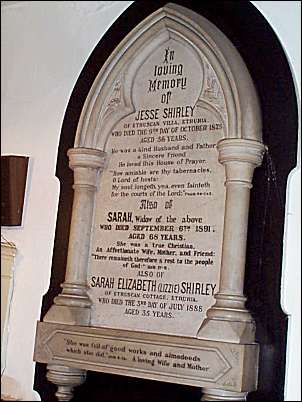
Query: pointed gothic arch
171	21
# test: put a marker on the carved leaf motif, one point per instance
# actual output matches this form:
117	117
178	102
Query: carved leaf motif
212	91
115	98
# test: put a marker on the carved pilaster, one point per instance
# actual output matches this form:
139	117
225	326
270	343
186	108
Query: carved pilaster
72	306
209	394
65	378
228	318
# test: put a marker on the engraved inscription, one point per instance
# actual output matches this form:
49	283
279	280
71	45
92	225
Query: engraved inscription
166	358
204	363
156	246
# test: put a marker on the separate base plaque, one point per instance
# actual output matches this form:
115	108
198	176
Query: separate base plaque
188	361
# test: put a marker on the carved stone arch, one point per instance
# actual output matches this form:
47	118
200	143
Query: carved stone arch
172	21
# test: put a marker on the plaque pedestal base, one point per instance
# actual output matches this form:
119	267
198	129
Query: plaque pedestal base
224	370
227	331
222	395
68	315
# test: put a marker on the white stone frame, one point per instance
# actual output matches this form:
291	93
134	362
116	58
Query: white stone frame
228	322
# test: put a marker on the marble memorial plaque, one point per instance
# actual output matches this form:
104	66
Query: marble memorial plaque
157	236
166	146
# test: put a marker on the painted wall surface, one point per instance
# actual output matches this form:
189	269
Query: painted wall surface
44	46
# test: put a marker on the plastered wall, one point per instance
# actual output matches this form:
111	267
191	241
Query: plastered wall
44	46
